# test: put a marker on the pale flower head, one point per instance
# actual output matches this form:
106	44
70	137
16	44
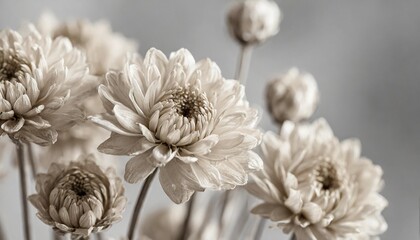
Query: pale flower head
317	187
253	21
79	198
293	96
104	48
183	117
41	82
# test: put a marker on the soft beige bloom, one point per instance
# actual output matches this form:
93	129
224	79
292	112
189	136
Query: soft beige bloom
317	187
104	48
183	117
293	96
79	198
167	224
41	81
253	21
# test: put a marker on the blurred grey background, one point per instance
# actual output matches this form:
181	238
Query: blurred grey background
365	55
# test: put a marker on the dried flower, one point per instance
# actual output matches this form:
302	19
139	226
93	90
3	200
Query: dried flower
41	80
104	48
79	198
182	117
167	224
317	187
293	96
253	21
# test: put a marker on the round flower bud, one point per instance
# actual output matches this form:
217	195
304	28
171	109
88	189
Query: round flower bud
253	21
293	96
79	198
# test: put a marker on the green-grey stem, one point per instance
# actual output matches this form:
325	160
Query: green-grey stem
31	158
184	233
24	195
260	229
243	63
139	204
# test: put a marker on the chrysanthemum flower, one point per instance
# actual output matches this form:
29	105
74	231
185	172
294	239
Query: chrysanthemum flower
41	80
293	96
317	187
253	21
183	117
79	198
104	48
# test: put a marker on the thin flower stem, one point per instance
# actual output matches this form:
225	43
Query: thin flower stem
22	175
293	237
139	204
260	229
243	63
99	236
2	234
31	158
184	232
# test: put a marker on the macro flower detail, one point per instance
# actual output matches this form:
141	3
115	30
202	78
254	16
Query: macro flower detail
79	198
183	117
104	48
317	187
293	96
253	21
41	80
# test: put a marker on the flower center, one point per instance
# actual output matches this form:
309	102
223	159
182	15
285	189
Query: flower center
78	183
189	103
327	177
11	67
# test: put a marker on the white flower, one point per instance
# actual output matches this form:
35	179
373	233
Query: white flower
293	96
253	21
79	198
183	117
104	48
41	80
317	187
167	224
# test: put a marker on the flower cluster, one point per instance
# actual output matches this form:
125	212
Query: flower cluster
318	187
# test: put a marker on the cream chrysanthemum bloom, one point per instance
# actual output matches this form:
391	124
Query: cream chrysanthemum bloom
253	21
79	198
293	96
104	48
41	81
317	187
183	117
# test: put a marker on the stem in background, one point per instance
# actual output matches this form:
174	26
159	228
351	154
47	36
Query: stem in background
24	195
32	160
55	235
140	200
293	237
243	63
184	232
260	229
99	236
2	234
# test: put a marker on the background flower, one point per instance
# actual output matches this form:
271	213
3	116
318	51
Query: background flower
41	81
79	198
317	187
104	48
184	117
253	21
293	96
